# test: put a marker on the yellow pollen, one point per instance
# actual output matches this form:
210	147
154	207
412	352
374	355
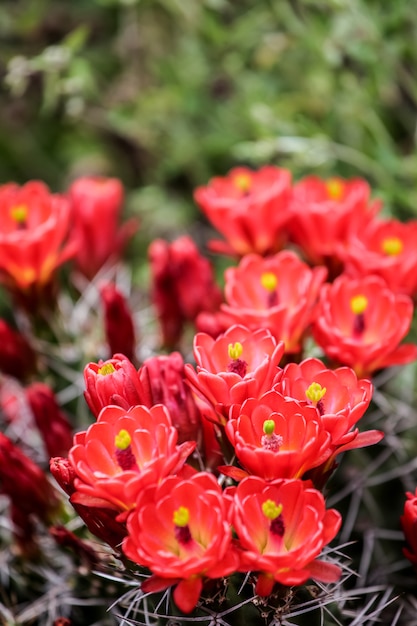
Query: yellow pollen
358	304
235	350
334	188
269	427
243	182
315	392
122	440
269	281
107	368
19	213
271	509
392	246
181	516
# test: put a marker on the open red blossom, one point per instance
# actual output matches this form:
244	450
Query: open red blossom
239	364
282	528
115	381
33	226
97	203
249	208
409	526
180	531
361	322
326	213
123	452
386	248
276	437
278	293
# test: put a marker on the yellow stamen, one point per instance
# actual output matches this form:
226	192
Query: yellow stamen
181	516
107	368
392	246
334	188
19	213
269	281
315	392
235	350
358	304
269	427
122	440
271	509
243	182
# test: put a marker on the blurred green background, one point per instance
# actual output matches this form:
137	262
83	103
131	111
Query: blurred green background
167	93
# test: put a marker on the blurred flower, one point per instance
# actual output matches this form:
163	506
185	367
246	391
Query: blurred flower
326	213
180	531
251	209
360	323
33	226
97	204
51	421
385	248
123	452
278	293
182	286
239	364
409	526
276	437
115	381
118	322
17	357
282	528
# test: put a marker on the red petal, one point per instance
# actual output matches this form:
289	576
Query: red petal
187	593
326	572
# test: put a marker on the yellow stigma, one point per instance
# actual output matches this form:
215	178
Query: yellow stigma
122	440
243	182
358	304
271	509
107	368
269	427
181	516
315	392
269	281
392	246
334	188
19	213
235	350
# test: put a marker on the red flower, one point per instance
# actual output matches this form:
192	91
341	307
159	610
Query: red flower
97	204
409	526
282	528
118	321
115	381
174	267
360	323
33	226
123	452
250	209
278	293
180	531
239	364
386	248
17	357
326	213
275	437
51	421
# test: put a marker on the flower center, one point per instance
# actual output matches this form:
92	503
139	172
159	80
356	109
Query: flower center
358	305
270	440
269	282
19	214
243	182
315	394
273	512
180	518
107	368
334	188
124	455
392	246
236	365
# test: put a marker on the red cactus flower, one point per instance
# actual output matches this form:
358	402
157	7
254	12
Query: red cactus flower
174	267
118	321
115	381
51	421
249	208
282	528
386	248
409	526
326	213
97	204
180	531
278	293
360	323
123	452
239	364
275	437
